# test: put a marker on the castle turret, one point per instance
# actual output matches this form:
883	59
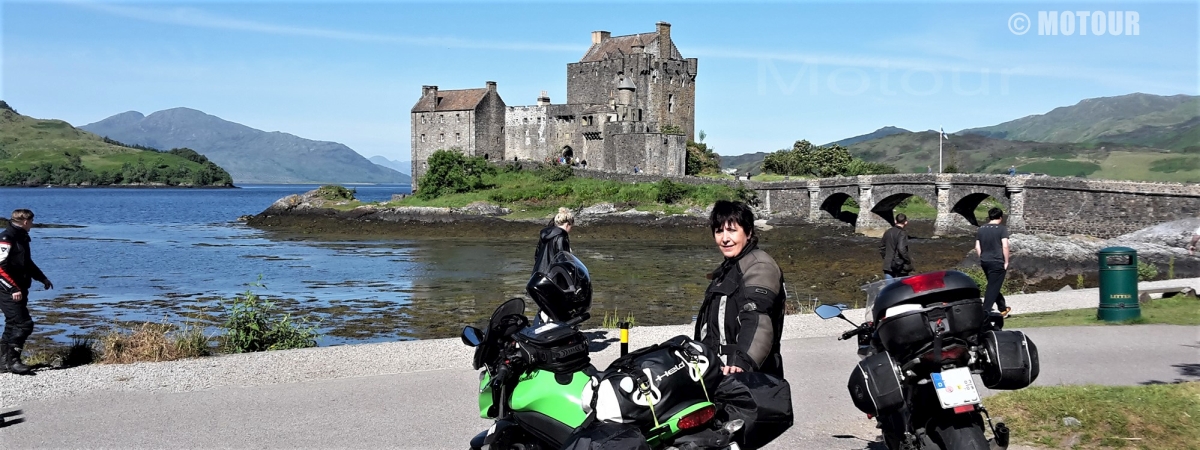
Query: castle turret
625	91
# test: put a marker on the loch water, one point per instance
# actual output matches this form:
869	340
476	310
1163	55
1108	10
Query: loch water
122	256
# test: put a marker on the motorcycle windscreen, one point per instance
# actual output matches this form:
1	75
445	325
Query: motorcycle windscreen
490	349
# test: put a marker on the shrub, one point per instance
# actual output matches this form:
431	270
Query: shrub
668	191
450	173
253	324
555	173
335	193
1146	271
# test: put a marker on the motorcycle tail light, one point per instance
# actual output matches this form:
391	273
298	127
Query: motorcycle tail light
950	353
697	418
925	282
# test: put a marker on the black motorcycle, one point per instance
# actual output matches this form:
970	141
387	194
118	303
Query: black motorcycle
924	338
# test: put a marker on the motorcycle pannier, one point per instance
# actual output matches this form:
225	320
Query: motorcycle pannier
652	384
875	385
907	332
763	402
556	348
1012	360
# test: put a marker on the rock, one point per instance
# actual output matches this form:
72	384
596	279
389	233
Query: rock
398	197
482	209
598	209
244	218
1070	441
1066	288
1071	422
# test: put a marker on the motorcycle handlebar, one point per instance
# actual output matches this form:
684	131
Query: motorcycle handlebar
851	333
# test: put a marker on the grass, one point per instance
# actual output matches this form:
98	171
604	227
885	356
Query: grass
1061	168
1158	416
529	196
614	320
153	342
1178	310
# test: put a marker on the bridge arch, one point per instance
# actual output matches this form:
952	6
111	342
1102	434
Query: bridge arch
832	205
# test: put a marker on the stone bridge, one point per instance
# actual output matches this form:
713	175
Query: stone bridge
1033	204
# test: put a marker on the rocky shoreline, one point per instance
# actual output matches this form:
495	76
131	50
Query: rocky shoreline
1044	261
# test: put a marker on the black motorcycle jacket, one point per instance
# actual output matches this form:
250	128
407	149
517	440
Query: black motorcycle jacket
552	241
742	314
17	270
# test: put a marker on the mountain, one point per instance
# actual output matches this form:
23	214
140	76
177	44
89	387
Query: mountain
1095	119
36	152
250	155
882	132
404	167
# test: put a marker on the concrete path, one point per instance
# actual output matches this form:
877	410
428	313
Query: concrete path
305	399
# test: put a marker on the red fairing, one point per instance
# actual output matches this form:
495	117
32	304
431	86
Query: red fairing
925	282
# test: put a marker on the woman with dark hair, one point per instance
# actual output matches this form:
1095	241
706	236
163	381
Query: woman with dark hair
742	313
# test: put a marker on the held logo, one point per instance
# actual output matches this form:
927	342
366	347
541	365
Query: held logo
1083	23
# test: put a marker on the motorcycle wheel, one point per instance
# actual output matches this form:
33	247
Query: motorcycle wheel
958	432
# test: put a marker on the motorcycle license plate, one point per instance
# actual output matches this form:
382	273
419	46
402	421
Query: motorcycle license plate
955	387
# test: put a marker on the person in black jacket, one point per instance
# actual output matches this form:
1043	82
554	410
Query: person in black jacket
553	239
742	313
894	249
17	272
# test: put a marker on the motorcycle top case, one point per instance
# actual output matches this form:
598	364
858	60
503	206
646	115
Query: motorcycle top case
763	402
664	378
1012	360
875	385
905	333
555	347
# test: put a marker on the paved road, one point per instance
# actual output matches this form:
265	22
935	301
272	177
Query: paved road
436	409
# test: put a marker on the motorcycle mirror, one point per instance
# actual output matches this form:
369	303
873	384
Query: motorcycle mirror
828	311
472	336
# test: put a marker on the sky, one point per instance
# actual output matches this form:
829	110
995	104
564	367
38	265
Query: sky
770	73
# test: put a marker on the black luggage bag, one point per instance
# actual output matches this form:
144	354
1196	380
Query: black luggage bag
763	401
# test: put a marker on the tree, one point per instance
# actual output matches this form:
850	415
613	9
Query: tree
701	159
807	159
450	172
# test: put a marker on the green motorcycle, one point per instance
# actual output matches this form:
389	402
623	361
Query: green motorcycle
538	385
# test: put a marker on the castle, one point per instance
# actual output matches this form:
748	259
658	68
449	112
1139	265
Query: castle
630	104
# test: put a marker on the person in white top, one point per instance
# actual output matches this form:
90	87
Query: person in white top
1195	239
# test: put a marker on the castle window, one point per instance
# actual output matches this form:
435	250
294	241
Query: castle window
422	138
442	137
457	137
458	118
671	103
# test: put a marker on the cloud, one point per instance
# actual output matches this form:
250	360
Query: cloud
197	18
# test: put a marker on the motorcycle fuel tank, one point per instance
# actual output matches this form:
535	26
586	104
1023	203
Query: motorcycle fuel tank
556	396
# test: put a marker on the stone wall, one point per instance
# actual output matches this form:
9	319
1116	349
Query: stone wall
489	126
1104	208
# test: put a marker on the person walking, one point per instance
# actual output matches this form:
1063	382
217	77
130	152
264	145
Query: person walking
552	240
742	313
894	250
991	244
17	272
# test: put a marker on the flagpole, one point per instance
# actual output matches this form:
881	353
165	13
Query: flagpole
940	134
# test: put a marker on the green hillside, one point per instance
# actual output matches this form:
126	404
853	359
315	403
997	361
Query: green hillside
1095	119
1180	136
750	162
36	152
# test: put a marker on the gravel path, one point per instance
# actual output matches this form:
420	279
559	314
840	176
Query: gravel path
292	366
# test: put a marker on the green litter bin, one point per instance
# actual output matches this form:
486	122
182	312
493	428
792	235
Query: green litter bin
1118	285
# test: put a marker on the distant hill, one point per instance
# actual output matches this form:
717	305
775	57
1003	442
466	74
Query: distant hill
750	162
404	167
35	152
1180	136
882	132
250	155
1095	119
914	152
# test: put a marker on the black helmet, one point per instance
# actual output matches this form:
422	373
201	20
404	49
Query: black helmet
564	290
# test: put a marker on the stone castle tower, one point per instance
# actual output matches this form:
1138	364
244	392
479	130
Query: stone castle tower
621	97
